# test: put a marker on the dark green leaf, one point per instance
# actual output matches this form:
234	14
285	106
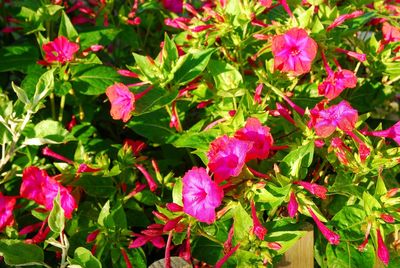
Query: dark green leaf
155	99
18	57
96	185
347	256
16	252
67	29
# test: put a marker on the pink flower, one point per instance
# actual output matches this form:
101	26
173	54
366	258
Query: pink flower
358	56
136	146
259	230
294	51
227	157
7	204
122	101
336	82
150	181
152	234
292	205
387	218
390	33
341	19
383	252
313	188
173	5
200	195
341	150
393	132
265	3
39	187
332	237
60	50
259	135
325	121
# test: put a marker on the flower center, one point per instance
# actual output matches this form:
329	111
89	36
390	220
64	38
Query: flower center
294	51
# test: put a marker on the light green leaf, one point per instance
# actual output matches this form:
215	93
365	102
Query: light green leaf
84	258
56	217
66	28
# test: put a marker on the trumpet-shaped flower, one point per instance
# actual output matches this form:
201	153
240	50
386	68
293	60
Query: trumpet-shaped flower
227	157
393	133
332	237
200	195
259	135
60	50
258	229
39	187
293	206
294	51
325	121
7	204
122	101
383	252
313	188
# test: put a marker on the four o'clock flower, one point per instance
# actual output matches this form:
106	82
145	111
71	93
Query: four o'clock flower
259	230
293	206
383	252
173	5
294	51
313	188
341	19
122	101
332	237
393	133
259	135
227	157
60	50
7	204
201	196
325	121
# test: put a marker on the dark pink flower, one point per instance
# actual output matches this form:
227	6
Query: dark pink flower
83	168
38	186
387	218
222	261
383	252
294	51
173	5
7	204
135	146
150	181
60	50
325	121
393	133
152	234
201	196
92	236
258	229
293	206
332	237
313	188
341	19
358	56
259	135
227	157
122	101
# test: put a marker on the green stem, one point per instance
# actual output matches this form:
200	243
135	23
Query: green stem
53	106
62	104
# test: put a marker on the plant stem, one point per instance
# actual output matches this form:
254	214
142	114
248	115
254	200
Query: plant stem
62	104
65	243
53	106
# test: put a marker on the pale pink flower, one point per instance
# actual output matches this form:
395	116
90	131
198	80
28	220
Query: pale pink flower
60	50
258	229
201	196
293	206
122	101
259	135
294	51
325	121
39	187
383	252
7	204
227	157
315	189
332	237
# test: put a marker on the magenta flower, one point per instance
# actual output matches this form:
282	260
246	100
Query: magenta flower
122	101
325	121
227	157
393	133
39	187
336	82
259	135
294	51
173	5
259	230
313	188
293	206
7	204
341	19
60	50
200	195
383	252
152	234
332	237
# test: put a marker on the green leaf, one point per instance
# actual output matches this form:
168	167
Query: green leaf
66	28
197	140
177	192
17	252
191	65
148	68
155	99
380	187
50	131
21	94
56	217
206	250
84	258
349	221
43	87
96	185
347	256
370	203
119	217
242	223
18	57
169	54
93	79
271	197
97	35
296	163
226	76
104	214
